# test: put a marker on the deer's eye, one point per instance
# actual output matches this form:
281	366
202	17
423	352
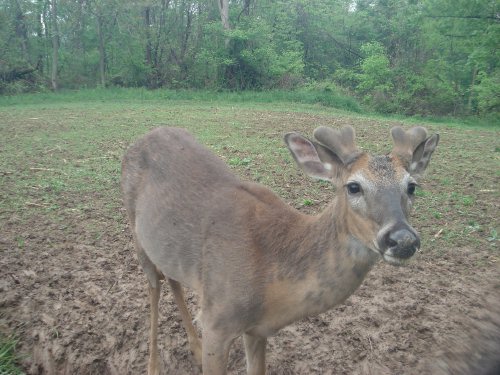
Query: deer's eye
411	188
353	188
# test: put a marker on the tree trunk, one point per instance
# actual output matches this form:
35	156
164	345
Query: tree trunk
471	90
21	30
246	9
147	26
149	47
55	45
224	16
187	32
184	41
40	37
102	52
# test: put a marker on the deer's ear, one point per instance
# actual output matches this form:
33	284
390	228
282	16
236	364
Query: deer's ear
422	155
306	156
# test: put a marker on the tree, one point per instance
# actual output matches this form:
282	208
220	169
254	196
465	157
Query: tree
99	15
408	56
55	44
462	40
375	79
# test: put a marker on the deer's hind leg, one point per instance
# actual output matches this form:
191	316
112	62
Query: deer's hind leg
194	341
154	297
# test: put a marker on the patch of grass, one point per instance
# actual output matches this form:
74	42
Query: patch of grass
490	122
422	193
20	242
8	357
436	214
307	202
446	181
239	161
307	96
473	226
460	199
493	237
60	161
61	155
467	200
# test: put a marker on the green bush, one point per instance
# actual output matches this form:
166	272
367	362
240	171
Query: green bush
488	93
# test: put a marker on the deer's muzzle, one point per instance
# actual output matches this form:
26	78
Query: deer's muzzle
399	243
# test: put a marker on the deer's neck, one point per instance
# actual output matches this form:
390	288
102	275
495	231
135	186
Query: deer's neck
327	264
343	254
331	241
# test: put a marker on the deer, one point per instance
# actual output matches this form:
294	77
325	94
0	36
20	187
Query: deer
256	263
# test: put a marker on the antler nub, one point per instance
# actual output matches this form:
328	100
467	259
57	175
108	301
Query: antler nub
340	142
406	142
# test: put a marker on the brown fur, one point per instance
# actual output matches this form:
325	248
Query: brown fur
257	263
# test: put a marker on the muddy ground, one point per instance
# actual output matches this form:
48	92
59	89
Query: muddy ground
78	302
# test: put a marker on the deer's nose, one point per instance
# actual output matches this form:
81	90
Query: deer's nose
402	243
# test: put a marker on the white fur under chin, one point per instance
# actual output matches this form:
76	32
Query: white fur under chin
395	261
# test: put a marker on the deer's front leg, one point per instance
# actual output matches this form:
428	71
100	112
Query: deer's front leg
255	351
215	352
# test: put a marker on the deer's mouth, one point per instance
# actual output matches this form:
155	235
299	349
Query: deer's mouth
394	260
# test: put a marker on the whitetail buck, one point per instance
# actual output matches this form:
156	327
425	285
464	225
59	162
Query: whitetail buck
257	263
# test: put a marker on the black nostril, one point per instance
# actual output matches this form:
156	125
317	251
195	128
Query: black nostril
389	240
402	238
403	243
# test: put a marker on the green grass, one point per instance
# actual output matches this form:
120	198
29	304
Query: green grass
301	96
70	144
8	357
325	98
307	202
475	122
239	161
60	159
277	99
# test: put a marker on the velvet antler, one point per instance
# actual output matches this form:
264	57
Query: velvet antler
406	142
340	142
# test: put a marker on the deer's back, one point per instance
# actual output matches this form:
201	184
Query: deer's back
170	184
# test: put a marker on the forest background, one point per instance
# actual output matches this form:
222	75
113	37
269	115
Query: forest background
414	57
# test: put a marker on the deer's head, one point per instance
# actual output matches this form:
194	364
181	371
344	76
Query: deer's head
375	192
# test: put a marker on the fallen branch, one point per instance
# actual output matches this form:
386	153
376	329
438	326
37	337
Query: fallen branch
16	280
94	158
438	233
42	169
38	169
33	204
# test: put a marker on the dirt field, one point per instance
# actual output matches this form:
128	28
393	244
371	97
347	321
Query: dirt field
72	290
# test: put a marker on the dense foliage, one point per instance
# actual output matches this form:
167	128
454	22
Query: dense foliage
411	56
